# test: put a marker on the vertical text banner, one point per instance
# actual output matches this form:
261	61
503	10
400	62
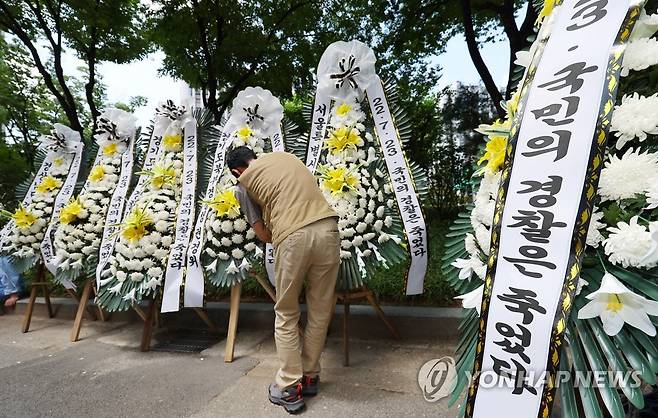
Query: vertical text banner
542	207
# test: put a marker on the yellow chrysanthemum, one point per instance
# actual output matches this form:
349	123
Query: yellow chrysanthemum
549	5
136	225
48	184
23	217
70	212
244	134
338	180
172	142
513	105
343	109
97	173
110	149
494	153
342	139
161	175
58	161
225	203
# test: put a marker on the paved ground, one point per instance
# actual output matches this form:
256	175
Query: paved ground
105	375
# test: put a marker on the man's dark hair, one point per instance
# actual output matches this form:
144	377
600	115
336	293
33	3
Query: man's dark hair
239	157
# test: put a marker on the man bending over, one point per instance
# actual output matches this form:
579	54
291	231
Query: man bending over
284	205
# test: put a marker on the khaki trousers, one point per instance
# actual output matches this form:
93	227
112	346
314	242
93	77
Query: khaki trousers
312	255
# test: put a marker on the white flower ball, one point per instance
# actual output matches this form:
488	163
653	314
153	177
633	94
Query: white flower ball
161	254
167	240
161	226
154	272
240	225
227	227
237	239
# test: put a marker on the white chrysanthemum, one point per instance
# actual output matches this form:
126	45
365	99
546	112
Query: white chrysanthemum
227	227
483	212
237	239
628	243
639	55
237	253
628	176
161	253
154	272
240	225
167	240
635	117
483	238
489	185
652	196
470	244
594	237
223	256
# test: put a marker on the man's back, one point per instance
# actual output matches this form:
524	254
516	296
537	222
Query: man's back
287	193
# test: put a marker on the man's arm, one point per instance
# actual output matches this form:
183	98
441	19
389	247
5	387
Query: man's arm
262	232
253	214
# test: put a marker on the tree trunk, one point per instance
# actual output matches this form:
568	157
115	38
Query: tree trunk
476	57
518	38
63	96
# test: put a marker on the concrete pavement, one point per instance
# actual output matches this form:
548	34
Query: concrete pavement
105	375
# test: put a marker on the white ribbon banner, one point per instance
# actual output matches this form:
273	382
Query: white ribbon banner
277	146
184	221
62	199
114	214
115	210
319	122
194	279
27	200
403	186
543	201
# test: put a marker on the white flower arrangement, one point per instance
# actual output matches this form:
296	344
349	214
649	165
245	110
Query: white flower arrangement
354	183
81	221
135	268
30	220
231	247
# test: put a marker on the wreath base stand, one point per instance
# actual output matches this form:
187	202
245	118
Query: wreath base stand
359	294
234	310
40	283
82	308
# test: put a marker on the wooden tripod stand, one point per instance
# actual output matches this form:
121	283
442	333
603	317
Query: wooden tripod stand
346	297
40	283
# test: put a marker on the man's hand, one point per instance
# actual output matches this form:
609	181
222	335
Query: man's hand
261	232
